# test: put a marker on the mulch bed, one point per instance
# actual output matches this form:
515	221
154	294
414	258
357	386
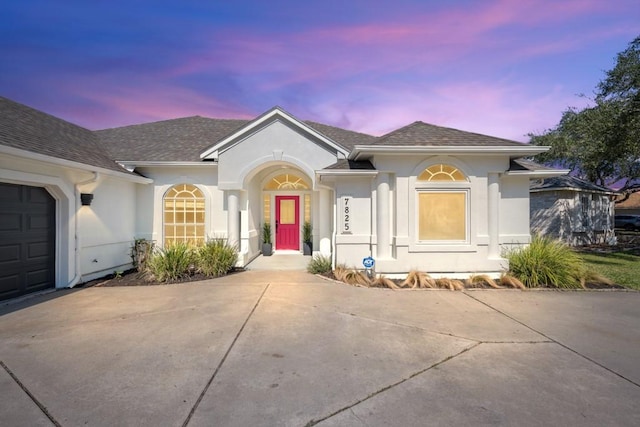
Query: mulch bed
135	278
482	285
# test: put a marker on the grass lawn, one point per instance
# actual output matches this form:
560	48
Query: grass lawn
621	267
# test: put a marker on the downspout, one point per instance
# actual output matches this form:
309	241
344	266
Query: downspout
78	276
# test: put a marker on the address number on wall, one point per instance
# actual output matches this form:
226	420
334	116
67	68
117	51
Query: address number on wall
346	209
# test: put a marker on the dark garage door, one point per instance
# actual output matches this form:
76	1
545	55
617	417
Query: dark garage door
27	240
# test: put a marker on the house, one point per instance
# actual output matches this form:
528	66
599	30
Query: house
631	206
573	210
423	196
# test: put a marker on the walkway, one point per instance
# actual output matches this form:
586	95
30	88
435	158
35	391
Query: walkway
280	261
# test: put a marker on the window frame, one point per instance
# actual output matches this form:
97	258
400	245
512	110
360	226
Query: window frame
418	187
197	240
439	190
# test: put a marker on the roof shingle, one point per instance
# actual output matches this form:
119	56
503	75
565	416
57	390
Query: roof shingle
424	134
176	140
28	129
567	182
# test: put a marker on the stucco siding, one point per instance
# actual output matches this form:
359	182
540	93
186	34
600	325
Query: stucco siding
275	143
514	211
107	228
407	251
149	207
356	243
103	231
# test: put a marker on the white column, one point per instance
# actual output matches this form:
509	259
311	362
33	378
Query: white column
325	209
493	215
233	217
383	226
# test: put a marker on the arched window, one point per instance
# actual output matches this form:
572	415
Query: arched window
442	202
184	208
441	172
287	181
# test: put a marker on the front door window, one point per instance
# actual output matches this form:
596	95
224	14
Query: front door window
287	223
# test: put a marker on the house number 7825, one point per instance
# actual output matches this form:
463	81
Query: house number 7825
345	213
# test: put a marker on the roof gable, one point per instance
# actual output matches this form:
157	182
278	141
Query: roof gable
275	114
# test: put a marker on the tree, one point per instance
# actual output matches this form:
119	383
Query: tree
601	143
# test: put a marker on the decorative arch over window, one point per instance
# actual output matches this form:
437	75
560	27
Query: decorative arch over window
287	181
442	172
184	210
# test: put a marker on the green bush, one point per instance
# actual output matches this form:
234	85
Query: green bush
217	257
171	263
266	232
547	263
319	264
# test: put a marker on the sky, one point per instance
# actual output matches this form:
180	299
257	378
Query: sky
505	68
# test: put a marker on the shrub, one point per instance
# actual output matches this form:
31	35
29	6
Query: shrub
418	279
546	262
216	257
477	280
319	264
383	282
510	281
171	263
452	284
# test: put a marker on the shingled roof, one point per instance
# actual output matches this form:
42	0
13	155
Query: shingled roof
28	129
344	137
567	182
184	139
424	134
176	140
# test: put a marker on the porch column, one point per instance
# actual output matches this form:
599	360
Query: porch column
325	209
383	218
493	214
233	217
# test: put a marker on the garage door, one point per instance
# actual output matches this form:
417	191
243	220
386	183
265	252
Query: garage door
27	240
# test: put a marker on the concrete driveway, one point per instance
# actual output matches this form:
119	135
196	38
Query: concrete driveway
289	349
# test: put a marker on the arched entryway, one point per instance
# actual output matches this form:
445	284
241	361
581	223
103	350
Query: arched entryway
287	200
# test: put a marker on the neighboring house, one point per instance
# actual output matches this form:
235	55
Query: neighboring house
631	206
420	197
573	210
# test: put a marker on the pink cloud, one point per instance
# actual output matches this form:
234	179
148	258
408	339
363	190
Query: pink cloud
372	77
501	109
144	101
424	42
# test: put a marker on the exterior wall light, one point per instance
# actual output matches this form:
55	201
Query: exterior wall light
86	198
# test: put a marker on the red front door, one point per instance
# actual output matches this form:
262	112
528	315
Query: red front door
287	224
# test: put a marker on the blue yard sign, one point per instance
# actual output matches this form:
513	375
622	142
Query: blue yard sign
368	262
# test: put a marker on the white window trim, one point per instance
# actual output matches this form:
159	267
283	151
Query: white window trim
207	209
417	187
